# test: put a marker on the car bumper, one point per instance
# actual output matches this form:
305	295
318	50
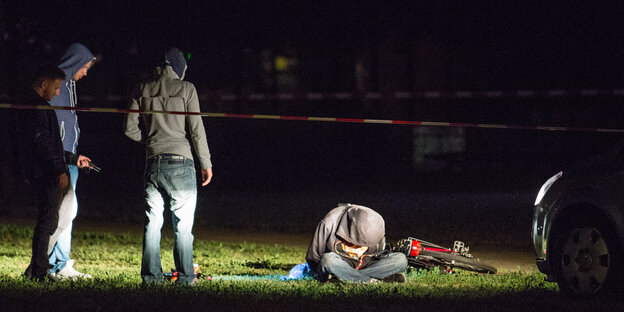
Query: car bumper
544	267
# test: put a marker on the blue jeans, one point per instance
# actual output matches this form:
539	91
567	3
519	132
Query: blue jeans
171	180
332	263
60	241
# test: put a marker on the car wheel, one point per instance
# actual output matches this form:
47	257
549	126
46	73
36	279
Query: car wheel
585	259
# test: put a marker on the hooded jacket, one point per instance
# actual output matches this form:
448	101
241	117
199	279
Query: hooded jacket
354	224
76	57
167	133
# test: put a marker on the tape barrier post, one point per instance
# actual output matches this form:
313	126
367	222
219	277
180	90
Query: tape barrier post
319	119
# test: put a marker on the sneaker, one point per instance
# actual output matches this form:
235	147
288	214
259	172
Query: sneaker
68	272
395	278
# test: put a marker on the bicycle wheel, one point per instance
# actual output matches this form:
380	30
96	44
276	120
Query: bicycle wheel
461	262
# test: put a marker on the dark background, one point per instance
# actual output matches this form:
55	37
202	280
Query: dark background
480	45
284	175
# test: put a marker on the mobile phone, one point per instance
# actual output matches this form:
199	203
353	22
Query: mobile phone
94	167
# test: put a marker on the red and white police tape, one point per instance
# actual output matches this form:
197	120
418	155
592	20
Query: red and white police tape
311	118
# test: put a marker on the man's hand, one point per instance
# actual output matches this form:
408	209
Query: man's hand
63	181
83	162
206	176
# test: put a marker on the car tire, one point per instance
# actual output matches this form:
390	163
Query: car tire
586	257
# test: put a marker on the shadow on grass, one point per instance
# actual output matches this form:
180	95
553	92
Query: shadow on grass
21	295
264	264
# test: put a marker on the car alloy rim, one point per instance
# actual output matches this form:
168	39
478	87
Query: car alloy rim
585	260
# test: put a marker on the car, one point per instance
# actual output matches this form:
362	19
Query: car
578	226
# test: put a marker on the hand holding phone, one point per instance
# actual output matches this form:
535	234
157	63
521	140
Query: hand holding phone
94	167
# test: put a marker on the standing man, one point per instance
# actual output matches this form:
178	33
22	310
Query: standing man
42	161
349	246
170	169
75	63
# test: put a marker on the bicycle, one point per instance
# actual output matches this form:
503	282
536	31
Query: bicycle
423	254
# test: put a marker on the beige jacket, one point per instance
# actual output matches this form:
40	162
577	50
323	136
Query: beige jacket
167	133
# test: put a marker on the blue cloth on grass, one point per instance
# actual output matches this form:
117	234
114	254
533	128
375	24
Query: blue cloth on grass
299	271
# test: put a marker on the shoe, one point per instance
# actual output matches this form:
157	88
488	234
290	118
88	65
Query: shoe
28	272
38	278
68	272
151	284
395	278
195	282
331	279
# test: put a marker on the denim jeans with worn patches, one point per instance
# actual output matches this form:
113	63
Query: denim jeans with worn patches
332	263
171	183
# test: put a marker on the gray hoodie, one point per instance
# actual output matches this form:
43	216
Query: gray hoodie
167	133
354	224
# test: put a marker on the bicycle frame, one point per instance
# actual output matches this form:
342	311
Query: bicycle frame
416	246
423	254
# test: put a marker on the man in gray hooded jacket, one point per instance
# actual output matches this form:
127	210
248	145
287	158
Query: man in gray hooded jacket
349	244
170	169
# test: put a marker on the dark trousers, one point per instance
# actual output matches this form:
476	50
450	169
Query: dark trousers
49	196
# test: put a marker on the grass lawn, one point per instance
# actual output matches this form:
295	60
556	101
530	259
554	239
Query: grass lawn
245	277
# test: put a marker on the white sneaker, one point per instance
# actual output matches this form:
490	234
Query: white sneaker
68	272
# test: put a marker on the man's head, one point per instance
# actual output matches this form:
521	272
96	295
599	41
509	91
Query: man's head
82	72
175	58
361	226
76	61
47	81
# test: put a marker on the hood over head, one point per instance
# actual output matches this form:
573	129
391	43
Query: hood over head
175	58
76	56
361	226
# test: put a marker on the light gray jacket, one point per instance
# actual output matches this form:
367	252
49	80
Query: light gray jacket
355	224
167	133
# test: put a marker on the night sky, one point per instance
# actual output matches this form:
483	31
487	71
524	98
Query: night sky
498	44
